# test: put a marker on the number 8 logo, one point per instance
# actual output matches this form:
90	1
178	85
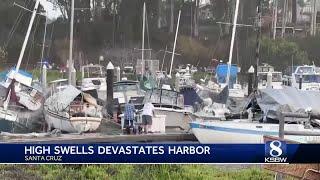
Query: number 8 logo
275	151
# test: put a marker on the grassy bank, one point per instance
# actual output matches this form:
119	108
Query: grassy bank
131	171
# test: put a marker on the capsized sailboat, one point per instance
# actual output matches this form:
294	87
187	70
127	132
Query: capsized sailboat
21	105
73	111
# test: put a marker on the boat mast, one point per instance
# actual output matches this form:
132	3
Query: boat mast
175	42
71	78
143	29
275	18
25	42
44	39
43	44
258	42
232	41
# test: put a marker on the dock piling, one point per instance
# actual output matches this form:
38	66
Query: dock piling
250	79
300	82
109	100
44	77
118	73
269	80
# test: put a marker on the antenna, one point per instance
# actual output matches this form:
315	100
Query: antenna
143	29
175	42
71	65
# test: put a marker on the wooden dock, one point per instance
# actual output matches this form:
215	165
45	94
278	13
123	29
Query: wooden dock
99	138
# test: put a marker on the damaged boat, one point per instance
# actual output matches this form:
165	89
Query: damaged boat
263	118
20	103
73	111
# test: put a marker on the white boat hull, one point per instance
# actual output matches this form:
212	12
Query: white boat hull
175	118
29	102
73	124
20	121
245	132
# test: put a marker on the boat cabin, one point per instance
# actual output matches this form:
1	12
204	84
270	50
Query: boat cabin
165	98
125	91
263	72
93	71
309	75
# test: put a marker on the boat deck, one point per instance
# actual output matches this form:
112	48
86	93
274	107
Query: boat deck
45	138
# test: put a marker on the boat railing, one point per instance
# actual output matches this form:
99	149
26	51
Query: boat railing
296	117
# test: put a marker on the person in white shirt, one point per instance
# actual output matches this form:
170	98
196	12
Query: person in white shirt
147	113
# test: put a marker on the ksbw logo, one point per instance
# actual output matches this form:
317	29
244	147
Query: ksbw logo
275	151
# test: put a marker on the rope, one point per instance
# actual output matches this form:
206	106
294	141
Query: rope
32	42
148	34
15	25
50	44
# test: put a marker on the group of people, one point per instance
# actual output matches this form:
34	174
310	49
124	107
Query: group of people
130	116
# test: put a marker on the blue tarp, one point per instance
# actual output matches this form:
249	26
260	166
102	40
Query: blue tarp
222	71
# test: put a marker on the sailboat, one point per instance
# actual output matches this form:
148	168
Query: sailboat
70	109
21	105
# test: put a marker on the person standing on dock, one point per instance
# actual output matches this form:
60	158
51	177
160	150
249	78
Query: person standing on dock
129	114
147	113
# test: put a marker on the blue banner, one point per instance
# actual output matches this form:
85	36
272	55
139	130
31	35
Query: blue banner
271	152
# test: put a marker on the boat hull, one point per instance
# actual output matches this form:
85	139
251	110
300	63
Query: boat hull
238	132
73	124
12	126
175	118
20	121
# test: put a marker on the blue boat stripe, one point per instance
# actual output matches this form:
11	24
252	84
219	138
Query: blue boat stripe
232	130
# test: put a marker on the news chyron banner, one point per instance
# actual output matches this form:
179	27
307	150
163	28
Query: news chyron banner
270	152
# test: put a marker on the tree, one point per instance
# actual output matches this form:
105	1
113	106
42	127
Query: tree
311	46
282	53
196	19
221	12
171	16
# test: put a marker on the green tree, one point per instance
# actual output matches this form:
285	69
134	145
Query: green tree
282	53
311	46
